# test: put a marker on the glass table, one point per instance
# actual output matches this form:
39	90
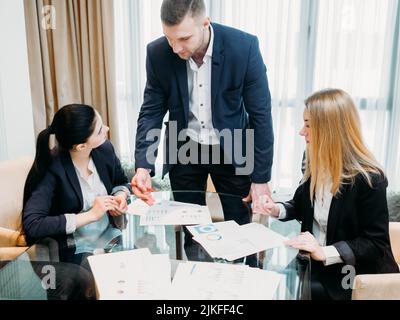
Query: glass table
29	275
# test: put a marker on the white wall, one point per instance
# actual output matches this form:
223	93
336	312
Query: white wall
16	119
3	138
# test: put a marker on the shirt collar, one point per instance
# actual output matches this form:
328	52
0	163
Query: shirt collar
91	167
209	52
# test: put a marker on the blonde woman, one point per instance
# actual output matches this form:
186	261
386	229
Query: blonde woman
341	201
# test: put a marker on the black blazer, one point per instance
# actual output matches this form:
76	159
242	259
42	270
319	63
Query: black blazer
358	227
59	193
240	98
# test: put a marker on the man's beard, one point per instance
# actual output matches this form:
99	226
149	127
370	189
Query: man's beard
199	47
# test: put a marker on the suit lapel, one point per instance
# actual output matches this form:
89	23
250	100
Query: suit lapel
307	222
217	64
181	74
101	168
71	176
335	211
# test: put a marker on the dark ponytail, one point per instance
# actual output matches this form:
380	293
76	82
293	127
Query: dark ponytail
72	125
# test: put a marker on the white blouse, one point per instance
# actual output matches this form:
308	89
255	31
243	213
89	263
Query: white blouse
96	234
322	204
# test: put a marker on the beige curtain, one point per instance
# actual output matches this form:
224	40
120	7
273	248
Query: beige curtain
71	58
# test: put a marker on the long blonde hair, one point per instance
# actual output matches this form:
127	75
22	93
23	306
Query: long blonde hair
337	150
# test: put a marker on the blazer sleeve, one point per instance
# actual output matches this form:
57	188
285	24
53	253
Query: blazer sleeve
37	222
257	101
120	182
293	207
151	116
373	239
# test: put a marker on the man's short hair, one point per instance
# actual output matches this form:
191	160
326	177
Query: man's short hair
174	11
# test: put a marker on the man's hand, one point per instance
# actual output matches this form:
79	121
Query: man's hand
269	207
306	241
141	186
256	191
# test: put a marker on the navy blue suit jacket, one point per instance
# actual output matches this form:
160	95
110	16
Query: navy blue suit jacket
240	96
59	192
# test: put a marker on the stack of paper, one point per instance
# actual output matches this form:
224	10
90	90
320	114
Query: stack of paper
228	240
167	212
139	275
131	275
216	281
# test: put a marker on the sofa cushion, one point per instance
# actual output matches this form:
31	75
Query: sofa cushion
11	238
13	175
394	231
10	253
376	287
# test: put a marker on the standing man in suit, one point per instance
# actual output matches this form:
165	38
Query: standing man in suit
211	78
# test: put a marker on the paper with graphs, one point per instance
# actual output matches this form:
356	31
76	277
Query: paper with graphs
131	275
228	240
167	212
217	281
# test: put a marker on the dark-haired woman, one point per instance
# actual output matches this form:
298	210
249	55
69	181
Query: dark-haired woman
75	192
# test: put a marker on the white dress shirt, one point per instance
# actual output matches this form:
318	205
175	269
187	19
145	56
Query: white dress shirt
322	204
200	126
96	234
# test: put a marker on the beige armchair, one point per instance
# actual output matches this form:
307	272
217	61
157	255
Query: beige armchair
13	175
381	286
